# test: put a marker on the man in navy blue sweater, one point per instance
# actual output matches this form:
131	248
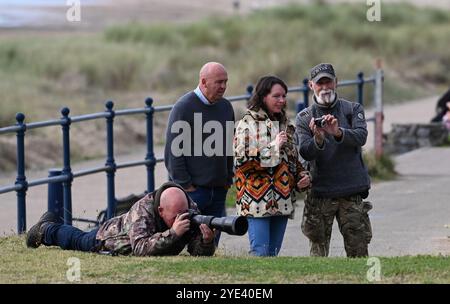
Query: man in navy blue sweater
198	152
331	133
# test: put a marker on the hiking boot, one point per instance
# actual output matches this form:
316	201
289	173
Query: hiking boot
35	235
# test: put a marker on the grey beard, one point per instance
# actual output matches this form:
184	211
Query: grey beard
329	99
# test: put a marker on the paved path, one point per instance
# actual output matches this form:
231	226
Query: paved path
409	216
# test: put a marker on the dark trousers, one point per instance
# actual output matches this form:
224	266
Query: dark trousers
210	201
70	238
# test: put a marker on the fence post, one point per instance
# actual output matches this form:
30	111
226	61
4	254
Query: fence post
305	92
110	162
300	104
55	199
150	153
360	77
21	178
378	96
249	91
67	170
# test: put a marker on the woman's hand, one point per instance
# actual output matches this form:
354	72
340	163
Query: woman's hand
281	139
304	182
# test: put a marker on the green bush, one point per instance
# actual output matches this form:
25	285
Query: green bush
159	34
380	169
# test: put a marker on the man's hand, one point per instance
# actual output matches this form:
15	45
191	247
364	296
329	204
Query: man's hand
207	233
319	133
181	224
331	125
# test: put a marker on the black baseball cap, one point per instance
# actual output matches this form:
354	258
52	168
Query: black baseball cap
322	70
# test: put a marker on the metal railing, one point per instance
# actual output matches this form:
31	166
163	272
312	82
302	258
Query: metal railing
66	175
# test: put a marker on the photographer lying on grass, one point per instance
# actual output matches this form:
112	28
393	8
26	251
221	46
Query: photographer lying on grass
158	224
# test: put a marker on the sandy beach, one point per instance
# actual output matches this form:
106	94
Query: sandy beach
103	13
97	15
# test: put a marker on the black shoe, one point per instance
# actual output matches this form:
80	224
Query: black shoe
35	235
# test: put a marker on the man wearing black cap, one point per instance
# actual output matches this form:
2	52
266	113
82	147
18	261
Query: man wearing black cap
331	133
158	224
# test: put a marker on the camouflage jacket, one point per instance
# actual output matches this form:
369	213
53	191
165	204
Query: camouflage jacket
266	176
142	232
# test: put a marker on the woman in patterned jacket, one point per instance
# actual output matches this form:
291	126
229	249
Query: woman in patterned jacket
267	168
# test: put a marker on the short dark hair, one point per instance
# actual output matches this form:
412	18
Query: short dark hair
262	89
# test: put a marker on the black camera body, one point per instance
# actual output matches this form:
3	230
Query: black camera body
234	225
320	122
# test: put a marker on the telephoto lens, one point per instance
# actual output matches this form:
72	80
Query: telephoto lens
234	225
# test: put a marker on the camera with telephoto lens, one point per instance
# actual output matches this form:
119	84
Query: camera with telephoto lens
234	225
320	122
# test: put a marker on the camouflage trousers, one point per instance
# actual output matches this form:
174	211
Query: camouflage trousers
353	220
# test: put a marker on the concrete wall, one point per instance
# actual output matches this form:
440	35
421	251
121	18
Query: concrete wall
406	137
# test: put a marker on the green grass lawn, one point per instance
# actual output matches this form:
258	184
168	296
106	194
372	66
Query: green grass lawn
50	265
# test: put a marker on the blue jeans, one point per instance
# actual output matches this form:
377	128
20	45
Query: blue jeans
210	201
70	238
266	234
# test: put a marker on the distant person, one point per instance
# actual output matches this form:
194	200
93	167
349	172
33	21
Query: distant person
441	107
446	118
156	225
268	170
331	133
236	5
205	175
